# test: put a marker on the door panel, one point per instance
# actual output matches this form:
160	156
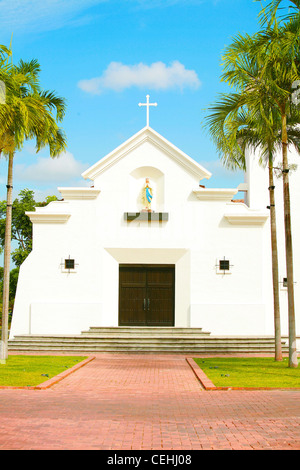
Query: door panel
160	285
132	297
146	295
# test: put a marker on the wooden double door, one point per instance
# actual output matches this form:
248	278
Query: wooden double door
146	295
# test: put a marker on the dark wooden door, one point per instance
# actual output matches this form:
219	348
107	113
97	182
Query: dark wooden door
146	295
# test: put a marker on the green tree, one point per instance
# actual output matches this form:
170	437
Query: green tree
21	233
270	68
284	42
234	129
28	113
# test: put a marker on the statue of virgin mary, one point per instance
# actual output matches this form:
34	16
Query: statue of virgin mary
147	195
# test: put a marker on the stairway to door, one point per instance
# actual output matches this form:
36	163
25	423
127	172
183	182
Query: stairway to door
146	295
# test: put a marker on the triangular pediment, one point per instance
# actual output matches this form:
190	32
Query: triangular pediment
147	134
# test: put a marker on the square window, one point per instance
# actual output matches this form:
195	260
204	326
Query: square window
224	265
69	263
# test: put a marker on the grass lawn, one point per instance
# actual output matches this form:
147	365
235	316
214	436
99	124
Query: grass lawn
22	371
250	372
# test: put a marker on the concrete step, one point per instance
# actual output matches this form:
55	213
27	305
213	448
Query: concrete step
142	339
145	340
213	347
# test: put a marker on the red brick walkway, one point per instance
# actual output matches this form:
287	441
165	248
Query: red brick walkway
151	402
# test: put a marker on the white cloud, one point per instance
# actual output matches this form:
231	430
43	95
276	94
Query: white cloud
58	170
157	76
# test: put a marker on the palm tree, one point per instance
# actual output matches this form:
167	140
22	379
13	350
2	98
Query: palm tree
26	114
265	69
285	41
234	129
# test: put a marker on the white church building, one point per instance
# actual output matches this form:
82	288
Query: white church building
147	244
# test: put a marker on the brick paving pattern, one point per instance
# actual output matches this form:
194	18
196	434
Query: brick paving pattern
146	402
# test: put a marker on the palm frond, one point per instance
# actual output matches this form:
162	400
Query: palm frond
269	13
28	111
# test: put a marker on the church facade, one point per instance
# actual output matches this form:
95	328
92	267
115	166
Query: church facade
149	245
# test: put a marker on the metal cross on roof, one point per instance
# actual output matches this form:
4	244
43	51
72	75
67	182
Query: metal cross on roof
148	105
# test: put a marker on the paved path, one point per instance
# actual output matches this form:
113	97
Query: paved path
146	402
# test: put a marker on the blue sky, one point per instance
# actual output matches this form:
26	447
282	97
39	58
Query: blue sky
104	57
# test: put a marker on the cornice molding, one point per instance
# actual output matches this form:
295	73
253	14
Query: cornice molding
255	218
223	194
48	218
79	193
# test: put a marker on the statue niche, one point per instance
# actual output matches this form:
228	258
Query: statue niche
146	190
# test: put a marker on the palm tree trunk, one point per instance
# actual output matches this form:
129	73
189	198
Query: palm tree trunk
275	276
7	251
293	362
